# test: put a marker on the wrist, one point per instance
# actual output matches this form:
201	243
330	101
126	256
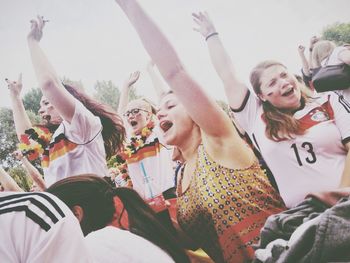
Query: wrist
211	35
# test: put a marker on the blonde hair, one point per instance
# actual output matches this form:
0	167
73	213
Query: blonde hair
322	50
280	124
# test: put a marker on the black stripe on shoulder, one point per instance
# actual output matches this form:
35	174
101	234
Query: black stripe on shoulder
346	140
30	214
244	103
45	196
35	202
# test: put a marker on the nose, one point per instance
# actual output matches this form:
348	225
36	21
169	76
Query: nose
284	83
160	114
41	111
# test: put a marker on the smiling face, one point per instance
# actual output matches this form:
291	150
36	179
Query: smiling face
174	121
138	114
48	113
280	88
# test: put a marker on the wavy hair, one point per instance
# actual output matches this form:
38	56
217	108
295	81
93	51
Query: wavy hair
96	197
322	50
113	131
280	124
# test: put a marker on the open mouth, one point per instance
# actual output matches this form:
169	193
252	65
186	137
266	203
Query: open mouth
290	91
47	118
133	123
165	125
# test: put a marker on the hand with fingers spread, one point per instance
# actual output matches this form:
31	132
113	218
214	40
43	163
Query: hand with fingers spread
204	25
36	29
133	77
15	87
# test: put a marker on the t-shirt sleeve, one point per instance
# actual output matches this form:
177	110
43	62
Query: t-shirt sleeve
84	125
341	108
247	113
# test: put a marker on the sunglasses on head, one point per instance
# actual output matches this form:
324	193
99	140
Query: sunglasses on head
133	112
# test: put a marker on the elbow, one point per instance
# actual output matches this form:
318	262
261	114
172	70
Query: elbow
48	84
172	74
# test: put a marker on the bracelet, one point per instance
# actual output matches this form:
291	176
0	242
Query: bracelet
210	35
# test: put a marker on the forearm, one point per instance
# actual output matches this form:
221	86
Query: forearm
34	174
235	90
158	84
305	64
8	182
49	82
156	44
20	117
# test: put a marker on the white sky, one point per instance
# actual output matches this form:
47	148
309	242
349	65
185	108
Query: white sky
92	40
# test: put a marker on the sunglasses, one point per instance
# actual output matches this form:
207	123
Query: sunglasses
133	112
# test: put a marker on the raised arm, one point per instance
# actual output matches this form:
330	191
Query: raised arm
313	41
185	88
33	172
235	90
158	84
304	62
48	80
124	94
20	116
8	182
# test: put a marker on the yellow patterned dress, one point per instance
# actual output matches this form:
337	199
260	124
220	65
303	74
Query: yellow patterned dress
224	209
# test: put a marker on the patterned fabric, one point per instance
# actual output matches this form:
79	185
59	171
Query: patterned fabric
224	209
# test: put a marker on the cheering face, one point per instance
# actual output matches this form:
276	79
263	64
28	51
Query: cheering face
137	116
280	88
48	113
174	121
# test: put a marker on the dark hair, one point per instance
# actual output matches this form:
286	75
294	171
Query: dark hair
113	131
96	197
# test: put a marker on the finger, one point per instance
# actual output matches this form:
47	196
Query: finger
197	21
20	78
195	15
196	29
7	80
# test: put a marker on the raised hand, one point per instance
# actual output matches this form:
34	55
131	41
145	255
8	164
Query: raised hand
15	87
204	25
36	29
132	79
301	49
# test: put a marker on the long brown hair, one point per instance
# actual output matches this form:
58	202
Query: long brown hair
96	197
113	131
280	124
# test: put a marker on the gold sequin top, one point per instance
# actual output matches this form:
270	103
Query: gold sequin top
224	209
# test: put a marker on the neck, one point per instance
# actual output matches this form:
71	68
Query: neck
189	146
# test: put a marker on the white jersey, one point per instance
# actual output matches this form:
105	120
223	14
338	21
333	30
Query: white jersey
308	163
151	168
111	244
76	148
333	59
37	228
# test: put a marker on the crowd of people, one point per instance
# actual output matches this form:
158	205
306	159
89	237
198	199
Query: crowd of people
182	180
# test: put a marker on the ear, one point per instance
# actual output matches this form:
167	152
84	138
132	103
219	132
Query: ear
261	97
78	211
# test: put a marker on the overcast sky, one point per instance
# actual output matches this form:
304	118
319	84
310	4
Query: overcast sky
90	40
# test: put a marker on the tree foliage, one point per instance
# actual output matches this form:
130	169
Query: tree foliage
20	175
31	100
107	92
338	32
8	138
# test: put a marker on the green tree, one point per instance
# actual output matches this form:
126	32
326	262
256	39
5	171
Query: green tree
8	138
338	32
31	100
20	175
107	92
